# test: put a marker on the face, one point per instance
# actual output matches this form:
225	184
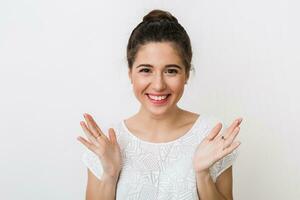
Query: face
158	77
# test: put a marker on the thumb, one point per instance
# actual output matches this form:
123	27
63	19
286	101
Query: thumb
112	135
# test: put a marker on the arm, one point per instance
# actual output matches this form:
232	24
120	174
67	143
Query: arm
221	190
213	148
104	189
108	151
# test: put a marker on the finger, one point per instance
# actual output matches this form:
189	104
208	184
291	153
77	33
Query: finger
112	135
92	125
229	140
88	134
231	148
90	146
234	124
93	122
214	132
220	134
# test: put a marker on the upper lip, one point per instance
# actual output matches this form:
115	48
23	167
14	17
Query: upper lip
152	94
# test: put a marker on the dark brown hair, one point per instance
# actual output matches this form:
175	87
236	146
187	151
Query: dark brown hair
160	26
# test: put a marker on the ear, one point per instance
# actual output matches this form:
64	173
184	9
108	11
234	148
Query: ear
130	75
187	78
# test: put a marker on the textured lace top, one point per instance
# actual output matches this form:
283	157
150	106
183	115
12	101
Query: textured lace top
159	171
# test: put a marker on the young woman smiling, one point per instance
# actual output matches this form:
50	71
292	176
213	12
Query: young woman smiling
163	151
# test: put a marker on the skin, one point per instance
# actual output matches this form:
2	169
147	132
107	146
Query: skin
158	69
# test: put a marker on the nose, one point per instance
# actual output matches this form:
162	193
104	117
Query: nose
158	82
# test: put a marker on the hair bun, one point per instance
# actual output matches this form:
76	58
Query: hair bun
157	15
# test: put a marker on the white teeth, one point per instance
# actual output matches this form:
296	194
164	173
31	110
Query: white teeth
157	98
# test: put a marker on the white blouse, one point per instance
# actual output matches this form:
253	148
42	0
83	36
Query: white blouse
160	171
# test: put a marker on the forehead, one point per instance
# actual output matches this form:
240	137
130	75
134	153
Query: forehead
158	54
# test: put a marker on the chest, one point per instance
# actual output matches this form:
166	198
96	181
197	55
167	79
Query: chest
157	172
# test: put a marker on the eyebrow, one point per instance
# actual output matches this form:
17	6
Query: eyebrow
167	66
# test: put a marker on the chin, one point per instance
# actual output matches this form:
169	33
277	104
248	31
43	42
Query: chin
158	110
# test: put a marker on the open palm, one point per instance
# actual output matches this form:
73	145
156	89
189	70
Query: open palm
107	149
216	146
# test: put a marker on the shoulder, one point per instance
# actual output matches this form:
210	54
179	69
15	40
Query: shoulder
115	125
209	119
120	130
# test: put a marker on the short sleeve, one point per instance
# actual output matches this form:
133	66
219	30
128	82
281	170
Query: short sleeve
93	163
220	166
91	160
224	163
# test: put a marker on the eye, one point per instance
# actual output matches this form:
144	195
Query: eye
172	71
144	70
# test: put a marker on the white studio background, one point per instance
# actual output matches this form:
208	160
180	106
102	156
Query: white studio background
59	59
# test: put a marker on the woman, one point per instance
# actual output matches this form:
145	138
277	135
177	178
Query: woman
163	151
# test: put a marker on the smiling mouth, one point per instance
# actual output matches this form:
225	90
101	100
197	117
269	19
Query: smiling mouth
158	100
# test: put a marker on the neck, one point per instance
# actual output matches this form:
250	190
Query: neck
159	123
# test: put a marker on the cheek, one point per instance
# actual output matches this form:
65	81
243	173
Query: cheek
177	85
139	85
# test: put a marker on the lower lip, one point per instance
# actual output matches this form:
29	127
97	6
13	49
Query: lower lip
159	102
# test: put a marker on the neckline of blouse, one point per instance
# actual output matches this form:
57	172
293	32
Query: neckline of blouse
163	143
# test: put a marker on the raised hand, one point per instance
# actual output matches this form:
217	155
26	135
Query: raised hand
107	149
216	146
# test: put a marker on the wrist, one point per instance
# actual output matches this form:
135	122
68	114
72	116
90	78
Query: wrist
109	179
203	174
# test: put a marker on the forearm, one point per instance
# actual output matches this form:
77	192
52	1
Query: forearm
104	190
206	188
